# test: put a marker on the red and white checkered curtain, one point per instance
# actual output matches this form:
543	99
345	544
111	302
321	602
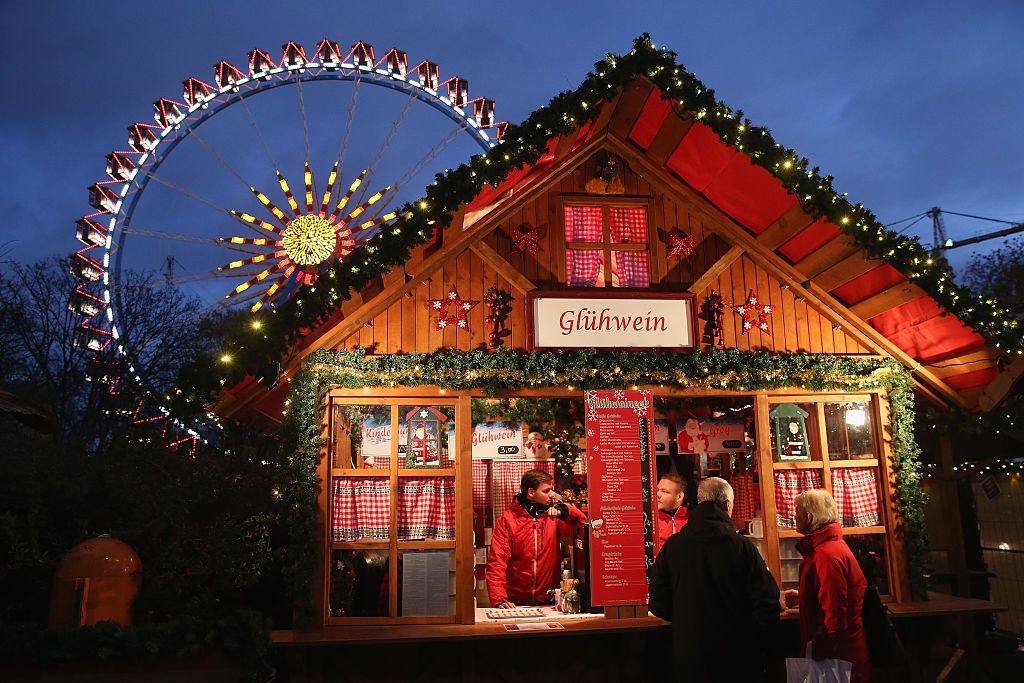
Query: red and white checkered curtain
583	224
747	499
508	474
788	485
856	492
426	509
630	269
360	508
628	225
481	485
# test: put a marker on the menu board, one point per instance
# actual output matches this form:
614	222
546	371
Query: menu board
620	461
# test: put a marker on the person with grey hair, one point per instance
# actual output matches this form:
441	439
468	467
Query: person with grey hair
832	586
714	587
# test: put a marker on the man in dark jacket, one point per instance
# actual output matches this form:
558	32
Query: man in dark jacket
712	584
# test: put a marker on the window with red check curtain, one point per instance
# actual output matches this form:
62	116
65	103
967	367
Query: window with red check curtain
606	246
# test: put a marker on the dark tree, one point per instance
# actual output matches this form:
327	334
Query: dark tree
999	274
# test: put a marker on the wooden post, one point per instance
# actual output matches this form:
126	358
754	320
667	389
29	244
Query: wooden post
465	579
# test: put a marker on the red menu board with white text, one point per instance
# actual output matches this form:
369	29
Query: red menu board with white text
620	466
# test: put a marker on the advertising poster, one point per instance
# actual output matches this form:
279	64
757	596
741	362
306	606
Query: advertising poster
697	437
620	460
494	439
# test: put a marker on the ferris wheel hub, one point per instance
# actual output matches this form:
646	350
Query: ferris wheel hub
309	239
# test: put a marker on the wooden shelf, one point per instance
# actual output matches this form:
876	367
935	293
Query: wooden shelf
426	472
353	472
426	545
806	465
865	462
360	545
847	531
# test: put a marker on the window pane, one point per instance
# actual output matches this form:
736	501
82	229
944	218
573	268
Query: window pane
426	509
426	583
584	267
426	436
360	508
855	490
629	269
797	423
628	225
583	224
788	485
790	558
848	426
869	549
362	436
507	477
359	583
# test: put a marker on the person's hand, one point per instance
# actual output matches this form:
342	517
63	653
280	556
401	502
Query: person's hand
506	605
791	598
553	511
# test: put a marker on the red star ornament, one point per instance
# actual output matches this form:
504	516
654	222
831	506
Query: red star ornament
525	240
679	246
753	314
458	317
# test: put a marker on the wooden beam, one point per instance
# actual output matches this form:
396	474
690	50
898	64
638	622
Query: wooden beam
963	362
607	109
629	106
826	256
668	137
827	306
705	279
503	267
852	266
784	227
887	299
565	143
998	389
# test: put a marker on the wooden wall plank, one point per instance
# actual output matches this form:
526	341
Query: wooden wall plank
887	299
629	106
784	227
847	269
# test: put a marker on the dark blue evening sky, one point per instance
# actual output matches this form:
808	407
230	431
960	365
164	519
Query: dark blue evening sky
908	104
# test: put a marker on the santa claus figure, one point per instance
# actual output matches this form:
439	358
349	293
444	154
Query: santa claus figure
692	439
535	446
422	447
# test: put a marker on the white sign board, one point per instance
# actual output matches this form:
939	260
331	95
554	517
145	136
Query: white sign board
626	320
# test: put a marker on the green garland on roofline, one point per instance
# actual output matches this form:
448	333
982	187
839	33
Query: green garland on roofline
509	371
267	336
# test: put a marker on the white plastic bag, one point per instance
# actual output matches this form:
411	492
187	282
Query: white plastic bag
806	670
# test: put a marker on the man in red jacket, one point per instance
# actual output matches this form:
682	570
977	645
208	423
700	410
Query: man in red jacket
832	586
523	562
671	513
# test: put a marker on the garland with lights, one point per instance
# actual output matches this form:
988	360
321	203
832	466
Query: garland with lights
269	335
507	371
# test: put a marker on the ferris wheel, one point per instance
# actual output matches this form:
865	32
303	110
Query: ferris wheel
274	246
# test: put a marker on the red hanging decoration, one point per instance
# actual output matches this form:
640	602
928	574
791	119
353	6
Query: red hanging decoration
712	312
753	313
458	317
679	246
498	307
524	239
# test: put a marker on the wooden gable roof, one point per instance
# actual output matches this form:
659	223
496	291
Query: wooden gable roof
741	202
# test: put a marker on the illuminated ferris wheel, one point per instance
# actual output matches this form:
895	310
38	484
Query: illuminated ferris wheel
264	248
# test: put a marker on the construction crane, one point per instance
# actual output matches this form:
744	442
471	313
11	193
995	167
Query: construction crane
943	243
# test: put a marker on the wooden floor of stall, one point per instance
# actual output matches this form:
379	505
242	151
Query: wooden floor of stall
593	650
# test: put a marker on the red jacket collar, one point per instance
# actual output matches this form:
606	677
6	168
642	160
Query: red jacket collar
829	532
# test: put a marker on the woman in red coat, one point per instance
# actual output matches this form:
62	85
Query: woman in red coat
832	586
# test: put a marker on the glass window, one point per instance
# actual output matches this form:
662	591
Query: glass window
361	436
869	549
426	509
425	432
359	583
606	246
426	583
790	558
360	509
848	428
794	428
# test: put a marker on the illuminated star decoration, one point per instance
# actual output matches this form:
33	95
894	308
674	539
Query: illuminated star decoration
524	238
753	314
300	244
679	246
459	317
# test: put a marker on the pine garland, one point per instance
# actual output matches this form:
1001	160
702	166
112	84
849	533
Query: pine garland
508	371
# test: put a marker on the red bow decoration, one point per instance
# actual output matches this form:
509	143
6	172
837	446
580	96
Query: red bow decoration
524	238
753	314
680	246
459	317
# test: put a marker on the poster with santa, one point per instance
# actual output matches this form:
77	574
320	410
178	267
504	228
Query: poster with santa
721	435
